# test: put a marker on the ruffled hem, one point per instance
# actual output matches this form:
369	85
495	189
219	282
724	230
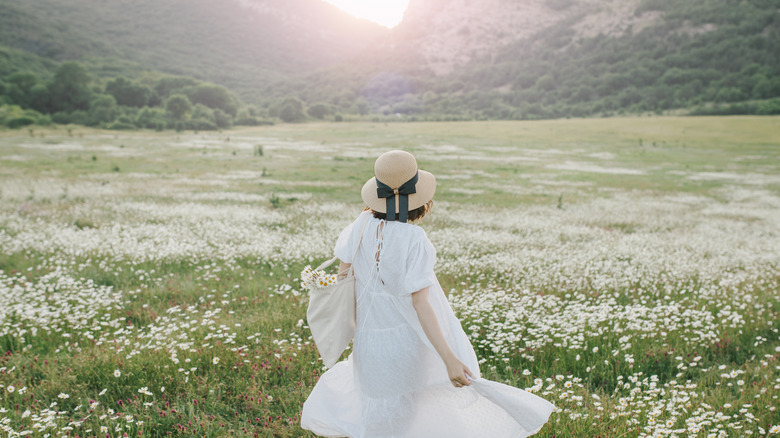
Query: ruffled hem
485	409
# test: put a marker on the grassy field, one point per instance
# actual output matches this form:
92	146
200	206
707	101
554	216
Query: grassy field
626	269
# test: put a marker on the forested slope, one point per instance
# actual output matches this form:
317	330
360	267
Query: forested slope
693	54
241	44
449	59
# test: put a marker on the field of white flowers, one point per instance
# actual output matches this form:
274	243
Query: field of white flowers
149	282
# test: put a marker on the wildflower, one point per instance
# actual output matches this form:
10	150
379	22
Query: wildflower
63	395
117	373
215	360
11	388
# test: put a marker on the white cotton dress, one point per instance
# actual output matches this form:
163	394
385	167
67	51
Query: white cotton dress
394	384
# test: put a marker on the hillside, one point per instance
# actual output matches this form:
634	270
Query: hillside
540	59
448	59
236	43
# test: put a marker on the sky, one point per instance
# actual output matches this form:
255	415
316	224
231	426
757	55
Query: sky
385	12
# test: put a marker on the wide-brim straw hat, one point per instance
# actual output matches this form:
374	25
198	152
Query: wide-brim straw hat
395	169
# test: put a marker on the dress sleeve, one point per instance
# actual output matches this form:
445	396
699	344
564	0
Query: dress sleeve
345	245
419	268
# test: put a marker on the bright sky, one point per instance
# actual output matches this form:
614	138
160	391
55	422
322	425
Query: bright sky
385	12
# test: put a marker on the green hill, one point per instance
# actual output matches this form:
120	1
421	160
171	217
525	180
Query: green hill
447	60
710	56
237	43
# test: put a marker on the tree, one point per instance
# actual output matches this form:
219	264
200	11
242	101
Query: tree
178	107
70	90
319	110
39	98
151	118
361	106
202	118
102	109
20	86
128	93
291	110
214	96
173	85
223	119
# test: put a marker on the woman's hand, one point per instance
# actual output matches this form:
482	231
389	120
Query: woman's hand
458	372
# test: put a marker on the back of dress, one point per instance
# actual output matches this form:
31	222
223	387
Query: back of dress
392	356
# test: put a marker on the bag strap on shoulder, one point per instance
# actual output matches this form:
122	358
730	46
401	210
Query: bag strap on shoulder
352	265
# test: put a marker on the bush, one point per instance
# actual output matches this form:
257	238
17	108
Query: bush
128	93
319	110
151	118
768	108
200	124
222	119
178	107
291	110
70	88
121	125
215	97
19	122
43	120
77	117
102	109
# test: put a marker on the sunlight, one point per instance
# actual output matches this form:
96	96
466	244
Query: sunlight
385	12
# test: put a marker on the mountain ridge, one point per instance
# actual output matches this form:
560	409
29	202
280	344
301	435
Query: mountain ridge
448	59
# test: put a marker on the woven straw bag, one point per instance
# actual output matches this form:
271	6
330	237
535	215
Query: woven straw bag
331	312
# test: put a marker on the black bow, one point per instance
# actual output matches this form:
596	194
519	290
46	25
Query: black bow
406	189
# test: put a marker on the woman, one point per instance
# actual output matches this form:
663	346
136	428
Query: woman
413	372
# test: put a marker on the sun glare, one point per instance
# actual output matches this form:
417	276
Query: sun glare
385	12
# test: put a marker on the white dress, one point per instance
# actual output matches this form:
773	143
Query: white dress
394	384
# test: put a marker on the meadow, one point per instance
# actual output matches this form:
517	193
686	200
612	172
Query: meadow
627	269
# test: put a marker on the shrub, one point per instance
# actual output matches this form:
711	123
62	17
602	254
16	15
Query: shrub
319	110
19	122
128	93
178	107
70	88
43	120
119	125
291	110
102	109
123	122
771	107
222	119
151	118
76	117
201	124
214	96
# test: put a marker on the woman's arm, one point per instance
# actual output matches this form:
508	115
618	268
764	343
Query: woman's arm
343	267
457	371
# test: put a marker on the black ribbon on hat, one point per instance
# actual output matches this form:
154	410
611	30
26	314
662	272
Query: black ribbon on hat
386	192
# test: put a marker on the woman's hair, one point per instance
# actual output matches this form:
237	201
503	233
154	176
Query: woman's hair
414	215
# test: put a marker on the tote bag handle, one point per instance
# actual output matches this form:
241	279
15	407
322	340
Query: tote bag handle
331	312
352	265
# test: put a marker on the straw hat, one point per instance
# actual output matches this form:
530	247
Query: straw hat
394	179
